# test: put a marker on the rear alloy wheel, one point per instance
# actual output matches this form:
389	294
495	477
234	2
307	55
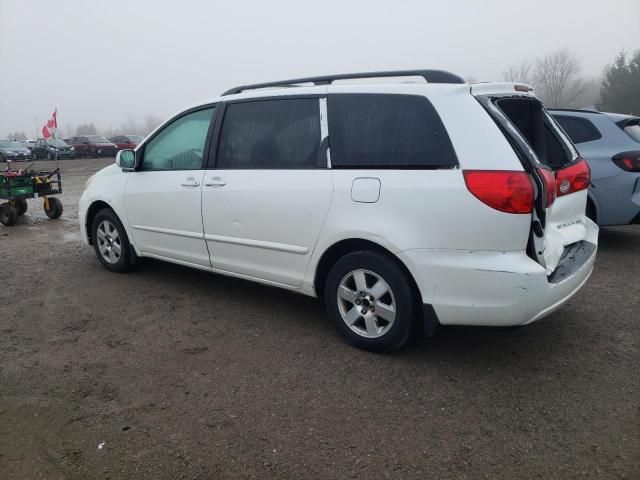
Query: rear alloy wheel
54	209
371	301
20	204
8	215
110	242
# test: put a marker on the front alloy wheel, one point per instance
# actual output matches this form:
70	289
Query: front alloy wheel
110	241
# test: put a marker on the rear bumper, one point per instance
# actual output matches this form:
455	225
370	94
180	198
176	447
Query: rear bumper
498	288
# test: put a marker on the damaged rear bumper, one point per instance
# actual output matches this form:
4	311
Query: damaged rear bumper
490	288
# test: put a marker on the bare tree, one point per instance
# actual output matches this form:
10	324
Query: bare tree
557	78
520	73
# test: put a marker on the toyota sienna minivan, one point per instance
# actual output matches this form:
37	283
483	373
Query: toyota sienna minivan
402	206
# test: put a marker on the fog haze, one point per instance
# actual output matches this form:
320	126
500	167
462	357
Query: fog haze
108	61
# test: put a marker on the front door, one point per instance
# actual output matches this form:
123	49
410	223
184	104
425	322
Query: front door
163	198
264	204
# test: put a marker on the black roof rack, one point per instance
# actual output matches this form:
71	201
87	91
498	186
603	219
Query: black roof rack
431	76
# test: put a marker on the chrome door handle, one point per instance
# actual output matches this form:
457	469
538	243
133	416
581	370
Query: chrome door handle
215	182
193	183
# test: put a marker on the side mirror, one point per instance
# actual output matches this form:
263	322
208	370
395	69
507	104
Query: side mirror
126	160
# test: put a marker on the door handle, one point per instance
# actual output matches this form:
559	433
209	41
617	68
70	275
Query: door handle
190	183
215	182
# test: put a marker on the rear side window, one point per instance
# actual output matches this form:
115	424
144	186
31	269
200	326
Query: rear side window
580	130
278	134
633	131
387	131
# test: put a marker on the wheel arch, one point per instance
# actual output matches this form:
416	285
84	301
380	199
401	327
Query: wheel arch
93	210
343	247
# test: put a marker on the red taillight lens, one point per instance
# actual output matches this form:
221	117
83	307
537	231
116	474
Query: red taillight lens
549	180
573	178
507	191
629	161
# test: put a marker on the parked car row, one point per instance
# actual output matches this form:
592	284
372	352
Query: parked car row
80	146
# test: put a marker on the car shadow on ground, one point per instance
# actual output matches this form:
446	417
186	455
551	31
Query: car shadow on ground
292	312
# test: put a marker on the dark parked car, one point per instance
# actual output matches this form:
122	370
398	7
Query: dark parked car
126	142
10	150
93	146
51	148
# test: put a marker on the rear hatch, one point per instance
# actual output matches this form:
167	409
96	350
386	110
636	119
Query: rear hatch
561	178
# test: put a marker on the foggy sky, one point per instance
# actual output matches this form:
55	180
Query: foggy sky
106	61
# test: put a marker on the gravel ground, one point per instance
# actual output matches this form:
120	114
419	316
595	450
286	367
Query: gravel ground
168	372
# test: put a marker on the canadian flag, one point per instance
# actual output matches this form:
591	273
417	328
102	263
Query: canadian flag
51	126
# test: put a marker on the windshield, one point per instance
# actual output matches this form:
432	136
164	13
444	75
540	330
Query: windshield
97	139
8	144
633	131
56	142
135	138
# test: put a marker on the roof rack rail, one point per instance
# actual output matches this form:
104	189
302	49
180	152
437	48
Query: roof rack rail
431	76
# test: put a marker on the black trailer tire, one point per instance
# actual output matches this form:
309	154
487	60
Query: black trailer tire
8	215
20	204
107	233
55	208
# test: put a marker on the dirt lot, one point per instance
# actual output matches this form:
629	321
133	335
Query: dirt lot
173	373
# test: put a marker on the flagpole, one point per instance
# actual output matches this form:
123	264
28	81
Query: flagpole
54	134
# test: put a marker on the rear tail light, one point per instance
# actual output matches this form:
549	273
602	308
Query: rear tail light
507	191
629	161
573	178
549	180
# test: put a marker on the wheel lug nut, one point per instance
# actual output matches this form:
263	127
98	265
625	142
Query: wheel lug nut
358	302
362	294
373	309
363	311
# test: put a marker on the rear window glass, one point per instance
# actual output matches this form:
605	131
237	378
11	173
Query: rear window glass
532	121
633	131
580	130
387	131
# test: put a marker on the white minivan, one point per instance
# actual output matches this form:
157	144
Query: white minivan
403	205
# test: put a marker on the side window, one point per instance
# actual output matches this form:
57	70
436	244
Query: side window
179	145
580	130
387	131
283	133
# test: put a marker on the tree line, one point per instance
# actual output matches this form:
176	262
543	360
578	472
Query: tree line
557	80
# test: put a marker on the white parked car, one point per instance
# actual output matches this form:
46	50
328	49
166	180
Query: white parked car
402	205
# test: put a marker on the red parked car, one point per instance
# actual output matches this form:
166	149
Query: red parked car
126	142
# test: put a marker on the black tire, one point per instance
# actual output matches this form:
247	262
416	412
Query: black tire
386	268
2	159
20	204
591	211
8	215
126	259
34	155
55	208
51	156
